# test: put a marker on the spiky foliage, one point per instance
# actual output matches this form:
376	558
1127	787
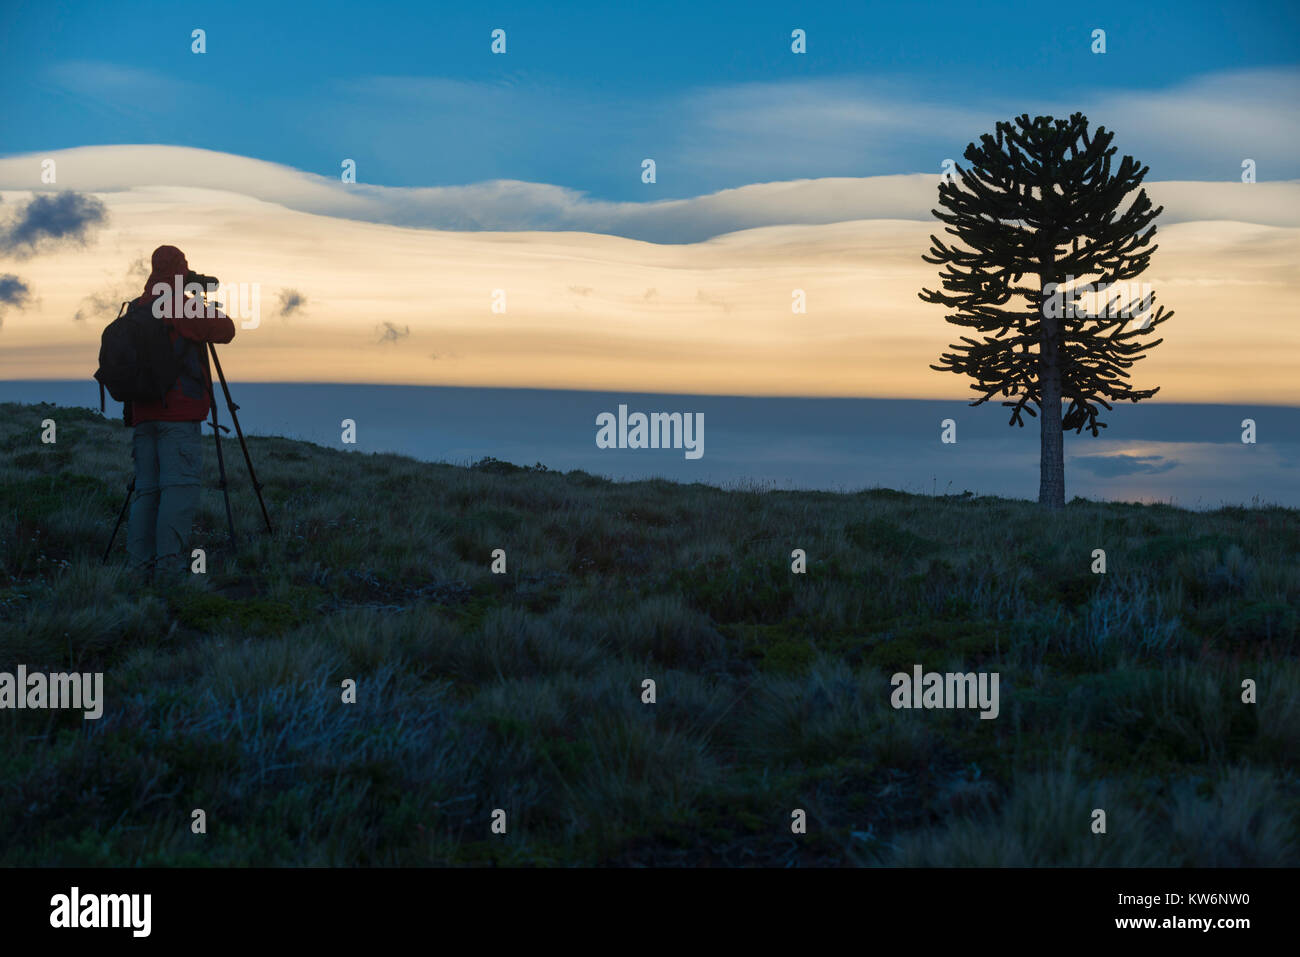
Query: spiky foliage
1040	199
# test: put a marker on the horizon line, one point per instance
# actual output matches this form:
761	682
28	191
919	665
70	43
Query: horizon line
90	382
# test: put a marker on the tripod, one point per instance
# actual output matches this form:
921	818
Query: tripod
217	429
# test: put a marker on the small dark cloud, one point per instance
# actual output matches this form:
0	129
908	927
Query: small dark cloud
13	292
107	302
291	300
98	303
650	294
701	297
391	333
51	219
1112	466
580	290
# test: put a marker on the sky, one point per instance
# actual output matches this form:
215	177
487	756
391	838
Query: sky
522	173
586	91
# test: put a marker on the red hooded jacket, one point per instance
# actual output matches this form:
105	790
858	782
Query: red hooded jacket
188	399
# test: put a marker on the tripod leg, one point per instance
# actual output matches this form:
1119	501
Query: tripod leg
221	466
230	404
130	489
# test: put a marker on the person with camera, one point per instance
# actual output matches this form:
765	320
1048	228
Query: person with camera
167	447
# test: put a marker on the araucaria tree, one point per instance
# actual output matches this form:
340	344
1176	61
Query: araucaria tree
1042	275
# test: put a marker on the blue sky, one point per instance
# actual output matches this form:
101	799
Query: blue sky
712	92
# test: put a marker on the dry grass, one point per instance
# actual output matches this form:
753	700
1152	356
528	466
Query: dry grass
523	691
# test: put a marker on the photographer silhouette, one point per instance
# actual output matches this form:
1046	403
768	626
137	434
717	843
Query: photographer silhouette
167	449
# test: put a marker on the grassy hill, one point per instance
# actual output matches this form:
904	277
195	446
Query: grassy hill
522	691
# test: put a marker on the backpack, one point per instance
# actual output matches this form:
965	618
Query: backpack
137	360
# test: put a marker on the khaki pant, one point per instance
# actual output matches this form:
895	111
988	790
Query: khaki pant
168	470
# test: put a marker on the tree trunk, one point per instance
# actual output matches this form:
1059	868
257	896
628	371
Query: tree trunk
1051	465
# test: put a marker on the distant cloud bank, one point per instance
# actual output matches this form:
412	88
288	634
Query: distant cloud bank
508	205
